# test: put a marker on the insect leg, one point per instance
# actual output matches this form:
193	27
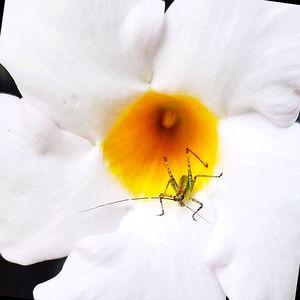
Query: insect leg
172	179
164	196
211	176
188	150
161	205
188	164
200	206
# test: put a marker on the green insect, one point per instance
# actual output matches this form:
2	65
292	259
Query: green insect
182	190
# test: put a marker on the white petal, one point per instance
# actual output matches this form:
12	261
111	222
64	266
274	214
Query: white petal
235	55
46	177
254	247
81	59
150	258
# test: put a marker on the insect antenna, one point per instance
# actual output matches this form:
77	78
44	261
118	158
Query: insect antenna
134	199
196	213
119	201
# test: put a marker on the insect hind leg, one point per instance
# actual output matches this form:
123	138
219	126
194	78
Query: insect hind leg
187	151
196	211
172	179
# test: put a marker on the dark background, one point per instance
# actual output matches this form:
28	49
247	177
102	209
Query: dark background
18	281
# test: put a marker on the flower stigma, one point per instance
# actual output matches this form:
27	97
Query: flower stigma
169	118
160	125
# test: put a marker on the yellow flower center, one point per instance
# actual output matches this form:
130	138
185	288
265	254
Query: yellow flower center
156	126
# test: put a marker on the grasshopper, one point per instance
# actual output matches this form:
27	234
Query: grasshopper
182	190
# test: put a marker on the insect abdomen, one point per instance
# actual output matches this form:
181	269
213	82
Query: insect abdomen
182	185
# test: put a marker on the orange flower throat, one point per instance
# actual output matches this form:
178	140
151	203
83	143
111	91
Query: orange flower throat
157	125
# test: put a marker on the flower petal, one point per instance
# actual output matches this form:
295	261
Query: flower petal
150	257
81	58
46	177
236	56
254	247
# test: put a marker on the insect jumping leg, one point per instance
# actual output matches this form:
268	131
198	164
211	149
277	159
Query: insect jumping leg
172	179
187	151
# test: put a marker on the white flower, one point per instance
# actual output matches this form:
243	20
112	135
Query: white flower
78	64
